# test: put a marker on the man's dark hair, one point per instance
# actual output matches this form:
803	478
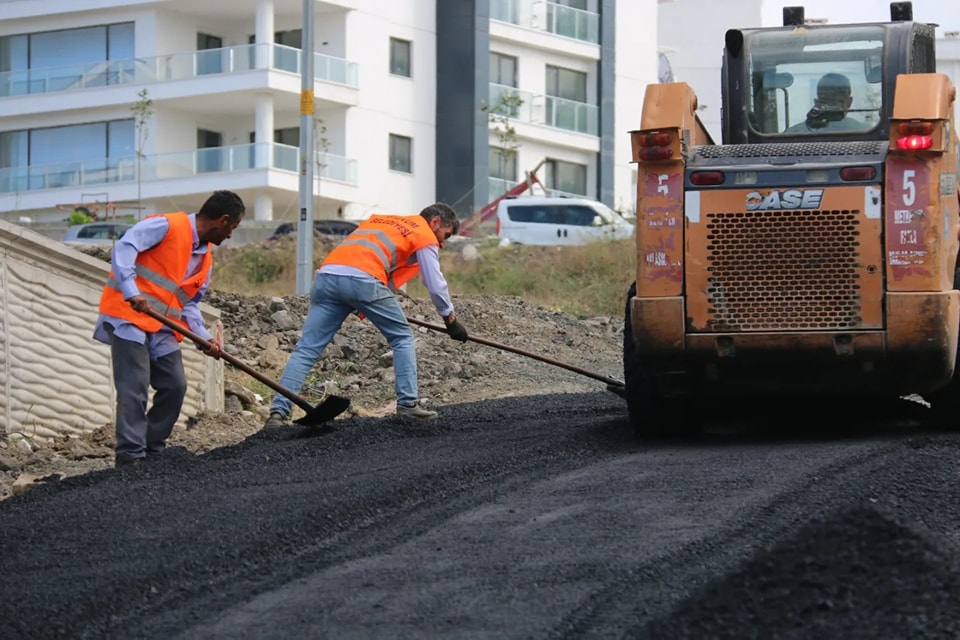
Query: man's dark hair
222	203
446	214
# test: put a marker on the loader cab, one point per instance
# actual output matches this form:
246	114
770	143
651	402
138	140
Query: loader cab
807	83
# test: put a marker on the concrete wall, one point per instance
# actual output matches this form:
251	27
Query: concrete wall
54	378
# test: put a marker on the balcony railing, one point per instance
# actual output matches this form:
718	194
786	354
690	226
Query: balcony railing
548	16
549	111
572	23
165	166
174	66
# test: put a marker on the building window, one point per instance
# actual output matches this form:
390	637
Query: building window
503	163
67	54
209	151
289	136
567	177
503	69
209	54
400	57
71	155
566	83
401	158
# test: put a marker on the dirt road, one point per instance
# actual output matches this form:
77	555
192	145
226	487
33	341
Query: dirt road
525	517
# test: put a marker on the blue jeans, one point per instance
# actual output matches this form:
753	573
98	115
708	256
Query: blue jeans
332	299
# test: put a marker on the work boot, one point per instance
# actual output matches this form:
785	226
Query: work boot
416	411
276	419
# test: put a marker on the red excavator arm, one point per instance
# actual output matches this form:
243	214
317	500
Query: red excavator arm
470	225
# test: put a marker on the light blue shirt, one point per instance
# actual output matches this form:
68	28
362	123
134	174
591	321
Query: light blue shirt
429	260
142	236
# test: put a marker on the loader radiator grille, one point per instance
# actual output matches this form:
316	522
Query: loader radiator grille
788	149
783	270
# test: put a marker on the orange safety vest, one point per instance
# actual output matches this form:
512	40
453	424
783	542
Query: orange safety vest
159	278
385	247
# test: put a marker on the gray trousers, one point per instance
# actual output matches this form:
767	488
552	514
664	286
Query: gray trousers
141	432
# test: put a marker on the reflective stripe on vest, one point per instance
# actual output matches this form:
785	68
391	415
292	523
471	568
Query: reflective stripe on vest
158	279
385	247
389	261
156	271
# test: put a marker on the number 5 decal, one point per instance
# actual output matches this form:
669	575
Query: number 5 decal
909	188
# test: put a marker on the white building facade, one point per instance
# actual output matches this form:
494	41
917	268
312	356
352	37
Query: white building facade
691	36
403	93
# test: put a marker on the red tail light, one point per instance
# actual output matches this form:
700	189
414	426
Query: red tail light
706	178
655	140
497	232
656	153
654	145
914	143
853	174
915	128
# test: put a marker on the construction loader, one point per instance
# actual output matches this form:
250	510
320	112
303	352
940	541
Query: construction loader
813	252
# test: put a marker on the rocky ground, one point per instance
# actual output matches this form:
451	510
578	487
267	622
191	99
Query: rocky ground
263	331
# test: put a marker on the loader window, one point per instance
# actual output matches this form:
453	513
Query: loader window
816	82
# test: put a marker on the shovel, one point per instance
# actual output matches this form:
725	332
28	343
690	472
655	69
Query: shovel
614	385
328	409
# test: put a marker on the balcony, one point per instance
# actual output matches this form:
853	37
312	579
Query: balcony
549	17
175	66
548	111
173	166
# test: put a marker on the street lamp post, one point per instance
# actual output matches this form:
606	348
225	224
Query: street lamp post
305	230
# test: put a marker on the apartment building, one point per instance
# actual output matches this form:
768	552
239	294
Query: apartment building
691	35
130	107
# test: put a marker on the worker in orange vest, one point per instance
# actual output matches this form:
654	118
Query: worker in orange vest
380	255
163	262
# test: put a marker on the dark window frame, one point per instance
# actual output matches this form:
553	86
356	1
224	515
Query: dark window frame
556	176
497	63
401	57
401	159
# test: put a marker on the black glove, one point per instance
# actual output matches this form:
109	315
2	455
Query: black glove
457	331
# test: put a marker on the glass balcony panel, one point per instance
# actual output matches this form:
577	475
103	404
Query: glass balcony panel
182	164
573	23
510	102
286	59
286	158
505	11
174	66
572	115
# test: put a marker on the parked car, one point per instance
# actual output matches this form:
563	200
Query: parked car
95	233
322	227
553	220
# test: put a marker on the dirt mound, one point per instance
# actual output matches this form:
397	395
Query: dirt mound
262	331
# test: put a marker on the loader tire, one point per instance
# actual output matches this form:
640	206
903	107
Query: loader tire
651	415
945	402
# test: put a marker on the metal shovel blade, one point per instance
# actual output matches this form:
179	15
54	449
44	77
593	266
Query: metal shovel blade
328	409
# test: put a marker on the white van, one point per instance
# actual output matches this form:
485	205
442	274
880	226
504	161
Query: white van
554	220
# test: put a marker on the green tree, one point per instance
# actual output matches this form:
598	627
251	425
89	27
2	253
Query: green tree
321	147
501	116
142	111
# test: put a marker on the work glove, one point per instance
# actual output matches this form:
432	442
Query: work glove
457	331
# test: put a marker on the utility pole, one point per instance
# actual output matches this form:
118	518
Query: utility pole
305	229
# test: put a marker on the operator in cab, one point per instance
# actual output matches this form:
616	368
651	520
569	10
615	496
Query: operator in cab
829	111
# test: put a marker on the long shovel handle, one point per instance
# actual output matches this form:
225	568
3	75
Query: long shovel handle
300	401
503	347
